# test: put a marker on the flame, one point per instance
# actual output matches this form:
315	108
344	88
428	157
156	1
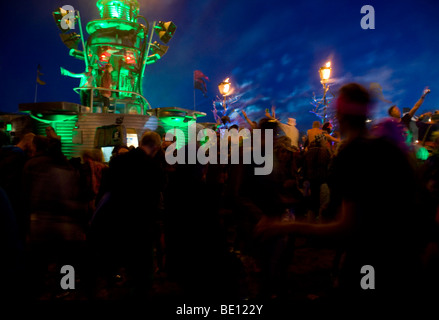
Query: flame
328	64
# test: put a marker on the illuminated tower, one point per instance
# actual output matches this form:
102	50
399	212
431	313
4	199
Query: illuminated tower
119	39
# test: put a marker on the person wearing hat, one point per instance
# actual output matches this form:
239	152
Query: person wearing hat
289	128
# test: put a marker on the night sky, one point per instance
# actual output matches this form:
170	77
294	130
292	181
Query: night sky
271	50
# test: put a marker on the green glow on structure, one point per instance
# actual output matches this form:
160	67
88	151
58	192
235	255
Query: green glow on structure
117	39
173	121
422	154
53	118
119	9
120	40
8	127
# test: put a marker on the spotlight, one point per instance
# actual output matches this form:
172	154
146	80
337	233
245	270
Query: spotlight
159	49
71	40
165	30
64	18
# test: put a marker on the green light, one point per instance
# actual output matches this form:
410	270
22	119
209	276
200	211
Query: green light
8	127
172	121
54	118
118	9
422	154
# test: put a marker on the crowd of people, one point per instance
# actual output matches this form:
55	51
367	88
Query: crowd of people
360	188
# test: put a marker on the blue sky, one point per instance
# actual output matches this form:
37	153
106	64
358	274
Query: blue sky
271	50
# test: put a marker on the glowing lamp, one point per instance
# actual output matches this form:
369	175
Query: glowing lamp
325	72
224	87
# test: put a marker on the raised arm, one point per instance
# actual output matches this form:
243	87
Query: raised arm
215	115
331	138
268	227
67	73
267	114
419	102
247	119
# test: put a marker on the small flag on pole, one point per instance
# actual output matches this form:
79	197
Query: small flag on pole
199	81
39	73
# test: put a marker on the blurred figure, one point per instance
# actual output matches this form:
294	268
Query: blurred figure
50	133
274	195
327	126
51	190
332	145
390	130
4	138
12	249
51	197
289	129
197	255
429	207
106	82
92	172
316	162
395	112
252	124
368	175
405	121
87	81
318	137
12	161
121	233
427	130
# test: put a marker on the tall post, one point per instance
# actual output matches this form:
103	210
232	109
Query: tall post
146	57
325	102
194	99
82	40
91	100
36	88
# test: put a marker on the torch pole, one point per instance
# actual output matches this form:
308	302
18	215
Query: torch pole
82	40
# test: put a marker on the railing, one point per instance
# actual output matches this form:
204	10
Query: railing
112	90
